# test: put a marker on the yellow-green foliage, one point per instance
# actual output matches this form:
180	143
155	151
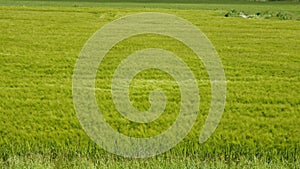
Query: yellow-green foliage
38	51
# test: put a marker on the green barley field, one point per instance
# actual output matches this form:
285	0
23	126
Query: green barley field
39	45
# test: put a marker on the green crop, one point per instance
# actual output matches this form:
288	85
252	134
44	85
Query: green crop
260	126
